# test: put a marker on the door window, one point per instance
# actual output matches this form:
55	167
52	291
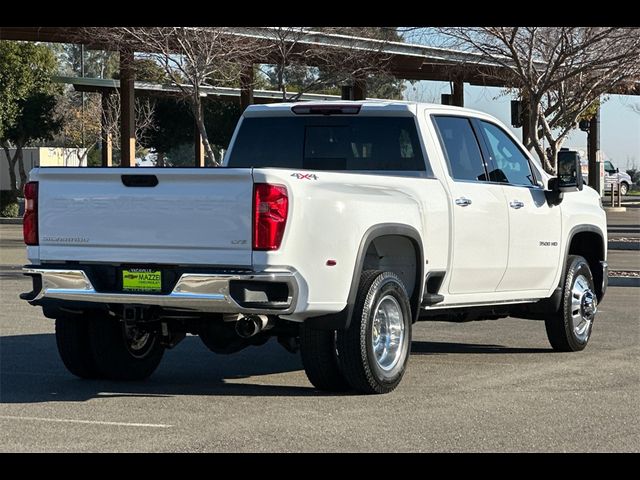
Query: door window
510	164
461	148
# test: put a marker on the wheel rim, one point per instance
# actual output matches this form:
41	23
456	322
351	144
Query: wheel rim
138	343
623	189
387	337
584	306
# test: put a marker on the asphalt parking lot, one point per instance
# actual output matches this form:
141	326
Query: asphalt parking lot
480	386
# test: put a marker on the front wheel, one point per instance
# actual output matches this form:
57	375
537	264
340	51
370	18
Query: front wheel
569	329
374	350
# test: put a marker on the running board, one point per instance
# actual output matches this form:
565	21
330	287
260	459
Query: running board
431	299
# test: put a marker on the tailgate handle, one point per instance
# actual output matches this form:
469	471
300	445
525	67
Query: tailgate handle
139	180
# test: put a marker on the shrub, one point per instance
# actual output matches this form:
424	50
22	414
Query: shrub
8	204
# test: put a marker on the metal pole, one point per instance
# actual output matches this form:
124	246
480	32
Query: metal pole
593	141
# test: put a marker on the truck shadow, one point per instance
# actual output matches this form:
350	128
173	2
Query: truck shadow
32	372
438	348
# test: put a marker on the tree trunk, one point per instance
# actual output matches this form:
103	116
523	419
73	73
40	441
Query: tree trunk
12	169
20	160
197	113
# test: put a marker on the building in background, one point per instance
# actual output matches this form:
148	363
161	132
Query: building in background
41	157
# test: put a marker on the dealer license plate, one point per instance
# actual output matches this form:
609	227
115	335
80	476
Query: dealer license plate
141	280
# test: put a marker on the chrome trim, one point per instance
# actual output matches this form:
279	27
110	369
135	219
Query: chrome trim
197	291
463	202
479	304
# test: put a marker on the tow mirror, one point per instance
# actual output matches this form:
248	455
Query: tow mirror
569	173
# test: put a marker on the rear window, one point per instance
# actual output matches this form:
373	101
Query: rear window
329	143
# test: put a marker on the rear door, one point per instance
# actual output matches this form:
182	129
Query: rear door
534	225
480	217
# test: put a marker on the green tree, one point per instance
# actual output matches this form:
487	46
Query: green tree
173	135
634	173
27	100
97	63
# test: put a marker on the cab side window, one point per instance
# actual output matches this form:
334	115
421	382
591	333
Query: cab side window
461	148
509	163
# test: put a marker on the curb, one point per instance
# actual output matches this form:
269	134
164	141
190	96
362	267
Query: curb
624	245
10	221
624	281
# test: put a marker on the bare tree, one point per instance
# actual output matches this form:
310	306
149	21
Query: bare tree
191	57
560	73
82	128
297	57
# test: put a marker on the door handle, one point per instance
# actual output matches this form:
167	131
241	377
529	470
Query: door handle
463	202
516	204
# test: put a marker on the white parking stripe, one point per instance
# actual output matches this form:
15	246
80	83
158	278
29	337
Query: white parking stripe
90	422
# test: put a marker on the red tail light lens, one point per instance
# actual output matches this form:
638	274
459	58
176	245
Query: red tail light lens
30	218
270	209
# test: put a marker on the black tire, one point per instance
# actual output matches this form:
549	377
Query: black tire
560	328
320	359
357	357
74	346
624	188
114	357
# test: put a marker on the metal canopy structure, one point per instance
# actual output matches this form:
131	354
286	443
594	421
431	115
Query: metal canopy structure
406	61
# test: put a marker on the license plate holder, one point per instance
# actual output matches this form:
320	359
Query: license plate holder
141	280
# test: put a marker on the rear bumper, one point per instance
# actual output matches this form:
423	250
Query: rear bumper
194	291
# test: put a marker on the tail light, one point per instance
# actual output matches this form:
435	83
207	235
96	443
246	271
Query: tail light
270	209
30	218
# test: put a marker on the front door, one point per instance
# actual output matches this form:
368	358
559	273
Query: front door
534	225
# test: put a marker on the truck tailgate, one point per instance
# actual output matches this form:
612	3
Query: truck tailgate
192	216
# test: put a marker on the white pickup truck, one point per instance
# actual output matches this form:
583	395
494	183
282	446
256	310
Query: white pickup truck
332	226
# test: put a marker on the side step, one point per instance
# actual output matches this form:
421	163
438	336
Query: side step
432	285
431	299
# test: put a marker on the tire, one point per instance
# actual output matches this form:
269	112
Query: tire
366	368
119	357
319	354
569	329
74	347
624	188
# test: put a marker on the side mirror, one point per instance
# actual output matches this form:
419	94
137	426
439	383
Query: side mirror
569	174
617	170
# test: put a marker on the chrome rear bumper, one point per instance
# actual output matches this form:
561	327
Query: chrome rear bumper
193	291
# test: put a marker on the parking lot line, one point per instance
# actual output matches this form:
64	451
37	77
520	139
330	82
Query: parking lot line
89	422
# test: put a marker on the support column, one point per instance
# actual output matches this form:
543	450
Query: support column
457	97
525	118
246	87
360	89
127	111
593	142
105	133
199	147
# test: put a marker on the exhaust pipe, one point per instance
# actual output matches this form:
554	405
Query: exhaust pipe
251	325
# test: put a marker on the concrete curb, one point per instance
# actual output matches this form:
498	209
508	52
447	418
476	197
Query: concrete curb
624	281
624	245
10	221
